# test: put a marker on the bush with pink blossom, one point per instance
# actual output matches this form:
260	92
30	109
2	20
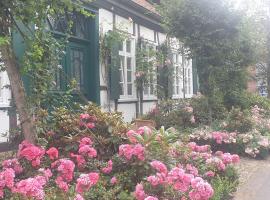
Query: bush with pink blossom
135	172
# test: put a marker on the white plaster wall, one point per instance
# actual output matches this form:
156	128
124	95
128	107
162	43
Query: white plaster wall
148	106
5	96
4	125
124	24
147	33
105	21
128	110
162	38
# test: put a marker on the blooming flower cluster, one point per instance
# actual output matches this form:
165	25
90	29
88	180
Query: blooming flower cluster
86	148
6	180
13	164
131	134
65	169
31	153
186	183
128	151
108	169
53	153
87	121
31	187
86	181
218	136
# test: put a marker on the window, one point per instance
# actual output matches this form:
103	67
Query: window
76	60
127	69
177	75
150	87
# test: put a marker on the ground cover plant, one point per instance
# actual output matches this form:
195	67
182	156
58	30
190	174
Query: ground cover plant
133	164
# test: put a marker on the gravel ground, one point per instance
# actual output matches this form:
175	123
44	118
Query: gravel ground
254	180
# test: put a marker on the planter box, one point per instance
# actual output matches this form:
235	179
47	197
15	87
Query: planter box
140	123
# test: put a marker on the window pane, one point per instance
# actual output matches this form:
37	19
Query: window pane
129	89
121	89
146	90
121	46
129	76
128	46
121	69
174	58
128	63
77	63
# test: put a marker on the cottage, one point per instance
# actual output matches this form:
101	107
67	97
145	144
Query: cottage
140	23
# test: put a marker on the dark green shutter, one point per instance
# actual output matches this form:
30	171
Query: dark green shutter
195	76
115	88
170	74
165	79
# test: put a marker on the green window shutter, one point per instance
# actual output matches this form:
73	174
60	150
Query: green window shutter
170	74
195	76
165	80
115	87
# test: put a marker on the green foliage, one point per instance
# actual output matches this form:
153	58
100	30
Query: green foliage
61	128
217	38
223	188
239	121
180	113
245	100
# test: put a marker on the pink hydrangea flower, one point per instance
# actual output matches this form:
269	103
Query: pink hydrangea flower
86	141
53	153
113	180
31	153
86	150
210	174
108	169
159	166
139	192
144	130
65	170
78	197
85	116
14	164
200	189
7	178
46	172
79	160
90	125
86	181
128	151
31	187
151	198
154	180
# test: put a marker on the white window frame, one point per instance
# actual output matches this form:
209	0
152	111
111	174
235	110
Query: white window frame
177	64
188	78
149	95
124	70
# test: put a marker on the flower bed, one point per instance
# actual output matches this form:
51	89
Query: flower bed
243	133
151	165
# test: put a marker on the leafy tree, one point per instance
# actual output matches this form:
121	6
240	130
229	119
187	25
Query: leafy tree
217	38
42	53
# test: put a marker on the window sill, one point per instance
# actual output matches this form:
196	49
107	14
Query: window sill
127	99
150	98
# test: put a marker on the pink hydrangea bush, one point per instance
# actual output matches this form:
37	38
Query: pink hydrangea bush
151	165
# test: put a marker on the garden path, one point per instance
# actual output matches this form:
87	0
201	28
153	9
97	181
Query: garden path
254	180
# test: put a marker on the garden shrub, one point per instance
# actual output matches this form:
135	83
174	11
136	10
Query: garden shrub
172	113
63	127
186	113
242	132
148	164
245	100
